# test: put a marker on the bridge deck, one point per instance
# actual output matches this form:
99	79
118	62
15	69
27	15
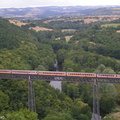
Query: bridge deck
60	78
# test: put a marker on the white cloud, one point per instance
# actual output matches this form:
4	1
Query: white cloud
100	2
27	3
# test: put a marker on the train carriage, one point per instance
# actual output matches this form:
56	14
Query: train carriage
79	74
51	73
32	72
117	75
102	75
5	71
19	72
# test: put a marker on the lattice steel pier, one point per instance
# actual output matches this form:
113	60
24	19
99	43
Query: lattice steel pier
96	108
31	96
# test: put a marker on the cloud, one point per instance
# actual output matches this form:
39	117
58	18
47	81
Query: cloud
29	3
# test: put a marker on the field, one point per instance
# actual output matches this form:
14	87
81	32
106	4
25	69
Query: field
68	30
37	28
20	23
111	25
17	22
68	38
86	20
90	20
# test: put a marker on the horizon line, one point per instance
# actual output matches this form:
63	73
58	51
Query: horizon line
58	6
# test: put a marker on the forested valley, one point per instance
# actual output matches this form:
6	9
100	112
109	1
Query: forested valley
77	47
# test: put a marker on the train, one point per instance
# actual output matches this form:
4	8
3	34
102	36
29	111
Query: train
59	73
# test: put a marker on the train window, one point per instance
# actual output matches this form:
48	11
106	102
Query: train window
23	71
3	71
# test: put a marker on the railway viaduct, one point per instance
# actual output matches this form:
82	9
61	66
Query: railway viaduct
31	96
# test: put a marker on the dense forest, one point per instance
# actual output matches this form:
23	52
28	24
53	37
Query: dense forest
90	48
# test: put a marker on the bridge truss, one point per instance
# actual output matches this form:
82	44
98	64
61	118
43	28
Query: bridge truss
59	78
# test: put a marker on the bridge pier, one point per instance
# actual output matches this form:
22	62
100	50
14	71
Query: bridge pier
96	108
31	95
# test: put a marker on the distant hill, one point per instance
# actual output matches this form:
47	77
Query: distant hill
106	11
61	11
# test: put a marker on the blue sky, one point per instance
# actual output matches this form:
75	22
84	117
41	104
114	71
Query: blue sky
38	3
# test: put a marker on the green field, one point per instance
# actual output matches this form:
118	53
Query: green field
111	25
68	30
68	38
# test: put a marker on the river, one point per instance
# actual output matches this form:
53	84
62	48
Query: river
56	84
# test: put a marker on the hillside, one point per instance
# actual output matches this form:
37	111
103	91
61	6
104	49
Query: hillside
91	48
11	36
21	47
56	11
106	11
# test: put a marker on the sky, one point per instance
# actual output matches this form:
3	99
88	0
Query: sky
39	3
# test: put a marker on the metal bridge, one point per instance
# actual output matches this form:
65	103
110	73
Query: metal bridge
31	96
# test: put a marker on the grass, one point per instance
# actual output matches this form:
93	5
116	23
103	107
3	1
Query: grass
68	38
68	30
17	22
111	25
37	28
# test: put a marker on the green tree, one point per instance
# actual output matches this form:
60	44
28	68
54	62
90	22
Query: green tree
100	69
4	99
80	110
22	114
16	91
59	116
106	104
72	91
49	99
61	55
70	65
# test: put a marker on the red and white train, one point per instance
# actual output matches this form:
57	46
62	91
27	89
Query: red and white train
58	73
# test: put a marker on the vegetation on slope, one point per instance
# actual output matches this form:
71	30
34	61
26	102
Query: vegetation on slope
91	48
